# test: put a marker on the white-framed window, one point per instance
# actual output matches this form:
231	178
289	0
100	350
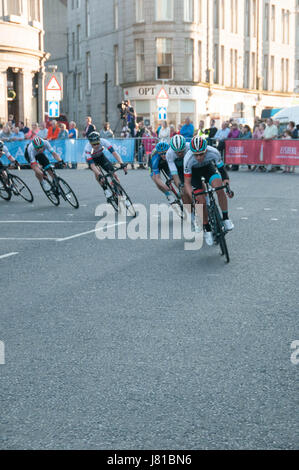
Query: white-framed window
116	66
87	18
216	14
164	10
272	72
14	7
266	22
189	11
164	58
273	23
80	87
222	65
199	61
139	11
283	28
88	72
78	41
246	70
282	75
33	10
247	18
253	71
287	75
223	14
188	65
199	10
139	48
265	71
254	18
216	63
74	45
116	15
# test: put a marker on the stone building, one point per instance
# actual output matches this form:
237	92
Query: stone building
215	58
21	60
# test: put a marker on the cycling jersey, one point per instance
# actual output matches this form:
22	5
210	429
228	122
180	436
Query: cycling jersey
32	152
157	163
173	160
5	152
91	153
211	155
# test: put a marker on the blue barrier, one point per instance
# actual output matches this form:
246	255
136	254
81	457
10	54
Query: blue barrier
72	151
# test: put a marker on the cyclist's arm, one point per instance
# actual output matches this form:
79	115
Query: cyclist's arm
52	151
113	152
8	155
188	187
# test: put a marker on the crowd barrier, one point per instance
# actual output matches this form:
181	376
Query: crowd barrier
260	152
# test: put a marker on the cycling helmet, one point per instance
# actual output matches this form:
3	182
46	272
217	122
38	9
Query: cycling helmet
1	145
162	147
38	143
94	138
178	143
198	145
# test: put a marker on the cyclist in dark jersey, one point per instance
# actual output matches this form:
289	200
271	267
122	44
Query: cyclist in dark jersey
157	163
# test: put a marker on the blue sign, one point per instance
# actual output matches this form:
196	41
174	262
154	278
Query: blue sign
72	150
53	109
162	113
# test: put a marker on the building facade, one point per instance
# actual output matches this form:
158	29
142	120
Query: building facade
21	60
214	58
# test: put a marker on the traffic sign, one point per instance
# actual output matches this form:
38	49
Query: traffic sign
162	110
53	109
53	95
162	99
53	84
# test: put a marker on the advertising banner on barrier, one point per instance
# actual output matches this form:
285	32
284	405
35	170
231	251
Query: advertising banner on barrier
72	151
282	152
260	152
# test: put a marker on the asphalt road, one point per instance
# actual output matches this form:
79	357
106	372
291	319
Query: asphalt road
123	344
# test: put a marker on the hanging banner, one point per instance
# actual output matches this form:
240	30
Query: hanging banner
261	152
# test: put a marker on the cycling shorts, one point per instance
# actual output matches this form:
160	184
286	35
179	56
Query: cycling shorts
179	163
102	161
2	167
40	158
207	171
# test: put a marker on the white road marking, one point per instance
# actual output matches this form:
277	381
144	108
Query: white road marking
8	255
274	220
267	209
88	233
47	221
240	208
244	218
294	210
28	239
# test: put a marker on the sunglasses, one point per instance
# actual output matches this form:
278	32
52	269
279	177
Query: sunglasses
94	144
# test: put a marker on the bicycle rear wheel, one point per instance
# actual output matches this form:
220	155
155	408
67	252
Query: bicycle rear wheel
221	236
128	203
67	193
5	193
21	188
51	195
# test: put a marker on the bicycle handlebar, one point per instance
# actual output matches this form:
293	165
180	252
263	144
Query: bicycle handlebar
225	186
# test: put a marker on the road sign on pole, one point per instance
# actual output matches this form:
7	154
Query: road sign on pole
53	109
54	86
53	95
162	110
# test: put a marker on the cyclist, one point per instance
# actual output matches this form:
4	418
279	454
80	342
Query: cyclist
35	155
175	159
94	154
4	151
158	162
198	163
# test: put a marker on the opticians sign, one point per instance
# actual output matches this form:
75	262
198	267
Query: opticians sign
172	91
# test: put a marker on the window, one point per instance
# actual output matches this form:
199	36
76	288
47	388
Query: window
216	63
287	75
73	46
116	17
88	72
188	68
74	82
297	74
87	18
164	10
234	16
288	27
283	25
199	6
216	14
266	22
116	66
282	75
246	70
78	41
222	65
272	71
234	68
265	72
33	10
139	11
14	7
188	11
139	45
223	14
273	23
199	61
247	18
80	87
253	71
254	17
164	58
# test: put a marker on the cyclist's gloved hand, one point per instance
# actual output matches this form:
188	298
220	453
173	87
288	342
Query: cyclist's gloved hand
124	167
60	164
17	165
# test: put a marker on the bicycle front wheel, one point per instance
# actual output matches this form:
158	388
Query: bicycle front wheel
21	189
221	236
5	193
68	194
127	201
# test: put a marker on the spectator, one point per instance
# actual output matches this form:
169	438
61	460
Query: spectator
63	133
23	128
89	127
287	135
221	135
259	131
131	118
172	130
106	132
6	133
53	131
246	134
125	132
164	133
150	131
201	132
271	132
43	131
139	145
73	131
12	120
211	132
32	132
234	132
187	129
17	135
292	128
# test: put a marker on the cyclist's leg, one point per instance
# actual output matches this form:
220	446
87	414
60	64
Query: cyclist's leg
3	173
198	189
215	181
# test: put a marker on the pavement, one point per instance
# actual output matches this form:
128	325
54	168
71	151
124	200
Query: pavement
139	344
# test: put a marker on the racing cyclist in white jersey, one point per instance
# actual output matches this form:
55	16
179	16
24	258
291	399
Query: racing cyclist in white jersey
198	163
35	155
175	159
4	151
94	155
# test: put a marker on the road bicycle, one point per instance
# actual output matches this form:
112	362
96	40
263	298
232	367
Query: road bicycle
118	193
14	185
214	216
177	205
58	187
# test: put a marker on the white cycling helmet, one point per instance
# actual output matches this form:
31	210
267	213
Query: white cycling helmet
178	143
